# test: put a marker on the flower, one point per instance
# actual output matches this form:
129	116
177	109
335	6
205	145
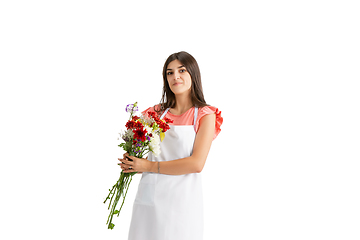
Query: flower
130	124
168	120
126	135
155	145
163	124
142	135
133	124
131	108
135	118
139	134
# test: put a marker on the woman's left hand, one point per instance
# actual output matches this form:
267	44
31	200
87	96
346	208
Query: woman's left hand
136	165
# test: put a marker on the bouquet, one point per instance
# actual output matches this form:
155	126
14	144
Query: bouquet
143	135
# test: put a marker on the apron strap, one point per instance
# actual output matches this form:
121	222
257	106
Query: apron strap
163	115
195	115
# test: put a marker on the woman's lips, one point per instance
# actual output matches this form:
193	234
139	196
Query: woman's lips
178	83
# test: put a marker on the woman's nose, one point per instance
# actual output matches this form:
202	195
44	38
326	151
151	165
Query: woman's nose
176	75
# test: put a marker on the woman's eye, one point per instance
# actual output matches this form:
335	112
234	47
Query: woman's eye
182	70
169	73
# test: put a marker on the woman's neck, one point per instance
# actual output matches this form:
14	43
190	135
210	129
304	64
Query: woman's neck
183	103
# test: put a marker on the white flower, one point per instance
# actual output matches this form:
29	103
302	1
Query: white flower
146	120
148	129
155	145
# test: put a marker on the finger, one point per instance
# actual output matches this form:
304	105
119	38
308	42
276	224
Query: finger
122	163
126	168
130	168
126	162
130	158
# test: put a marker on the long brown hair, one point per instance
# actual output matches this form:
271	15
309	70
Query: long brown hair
168	99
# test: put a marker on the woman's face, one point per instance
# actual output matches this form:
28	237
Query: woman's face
178	77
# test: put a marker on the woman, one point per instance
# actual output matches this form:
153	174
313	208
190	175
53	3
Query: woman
168	204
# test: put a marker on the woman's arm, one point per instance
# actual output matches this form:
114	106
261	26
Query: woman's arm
193	164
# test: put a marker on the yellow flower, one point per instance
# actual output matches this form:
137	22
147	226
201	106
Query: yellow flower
162	136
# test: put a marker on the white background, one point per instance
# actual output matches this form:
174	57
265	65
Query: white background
285	75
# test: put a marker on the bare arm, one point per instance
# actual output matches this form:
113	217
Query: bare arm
193	164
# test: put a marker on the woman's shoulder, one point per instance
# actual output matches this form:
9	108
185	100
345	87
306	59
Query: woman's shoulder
203	111
208	110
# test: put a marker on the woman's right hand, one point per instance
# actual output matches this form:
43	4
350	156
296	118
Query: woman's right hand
123	165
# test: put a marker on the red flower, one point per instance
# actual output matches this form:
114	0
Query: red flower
168	120
133	124
153	116
140	134
163	124
130	124
138	125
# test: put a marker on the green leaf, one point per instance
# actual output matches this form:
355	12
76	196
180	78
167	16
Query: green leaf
111	226
116	212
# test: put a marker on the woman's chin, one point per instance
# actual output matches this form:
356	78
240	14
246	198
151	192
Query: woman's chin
180	91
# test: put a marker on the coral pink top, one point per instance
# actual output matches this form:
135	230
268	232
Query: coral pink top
187	118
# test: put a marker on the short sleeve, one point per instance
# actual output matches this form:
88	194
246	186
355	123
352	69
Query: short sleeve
150	109
209	110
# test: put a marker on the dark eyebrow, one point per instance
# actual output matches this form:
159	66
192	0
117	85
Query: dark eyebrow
169	69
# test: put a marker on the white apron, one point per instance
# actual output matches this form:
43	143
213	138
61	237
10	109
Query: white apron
169	207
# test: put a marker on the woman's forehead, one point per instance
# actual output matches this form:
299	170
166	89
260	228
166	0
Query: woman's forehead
175	64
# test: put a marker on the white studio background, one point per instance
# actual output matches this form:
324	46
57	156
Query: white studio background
285	75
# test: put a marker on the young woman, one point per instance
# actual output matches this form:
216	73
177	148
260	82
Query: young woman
168	204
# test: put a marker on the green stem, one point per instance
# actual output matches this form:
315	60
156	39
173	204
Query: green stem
111	198
110	191
127	188
120	189
116	187
115	193
117	197
124	185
